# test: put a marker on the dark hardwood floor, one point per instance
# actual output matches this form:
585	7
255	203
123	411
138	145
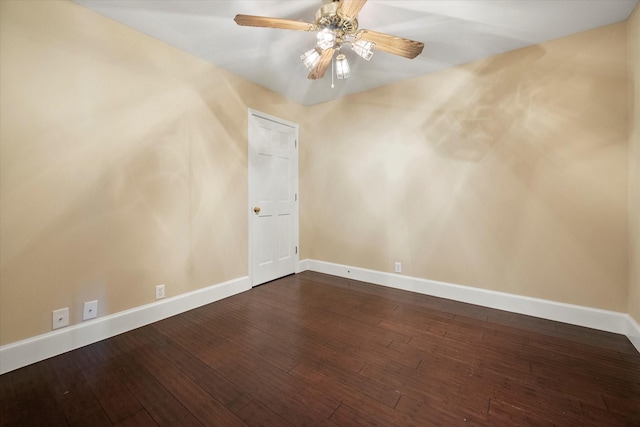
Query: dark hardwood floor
313	349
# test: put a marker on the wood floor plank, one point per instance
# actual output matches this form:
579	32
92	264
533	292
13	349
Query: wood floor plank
314	349
34	401
503	413
365	415
258	415
204	407
72	392
232	396
114	397
270	384
602	417
161	405
433	413
368	408
9	403
139	419
429	391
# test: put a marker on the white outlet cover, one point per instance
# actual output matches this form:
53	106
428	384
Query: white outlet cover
398	267
90	310
60	318
159	291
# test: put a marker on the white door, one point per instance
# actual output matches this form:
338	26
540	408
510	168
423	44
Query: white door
273	198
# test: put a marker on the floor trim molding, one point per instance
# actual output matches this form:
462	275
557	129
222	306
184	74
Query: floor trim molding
633	332
605	320
31	350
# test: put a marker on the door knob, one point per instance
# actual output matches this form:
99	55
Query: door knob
256	210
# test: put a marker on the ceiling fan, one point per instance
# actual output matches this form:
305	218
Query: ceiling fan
336	23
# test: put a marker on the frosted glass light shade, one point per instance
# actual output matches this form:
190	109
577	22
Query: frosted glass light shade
342	67
310	58
363	48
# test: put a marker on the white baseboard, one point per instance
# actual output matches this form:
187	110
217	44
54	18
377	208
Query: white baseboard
35	349
32	350
633	332
604	320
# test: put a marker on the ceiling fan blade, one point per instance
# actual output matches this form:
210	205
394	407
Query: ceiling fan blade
322	65
266	22
350	8
392	44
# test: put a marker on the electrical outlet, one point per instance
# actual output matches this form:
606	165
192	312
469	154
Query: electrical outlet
398	267
159	291
60	318
90	310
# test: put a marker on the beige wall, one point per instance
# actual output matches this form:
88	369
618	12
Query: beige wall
508	174
123	166
633	36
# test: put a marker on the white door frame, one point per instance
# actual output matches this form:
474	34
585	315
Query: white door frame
251	114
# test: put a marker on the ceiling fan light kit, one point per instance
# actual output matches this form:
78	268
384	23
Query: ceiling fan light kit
336	23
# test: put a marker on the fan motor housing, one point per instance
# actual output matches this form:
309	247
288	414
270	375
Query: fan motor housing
329	17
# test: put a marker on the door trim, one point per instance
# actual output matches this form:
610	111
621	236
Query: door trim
296	232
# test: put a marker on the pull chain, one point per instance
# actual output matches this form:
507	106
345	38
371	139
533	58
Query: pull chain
332	73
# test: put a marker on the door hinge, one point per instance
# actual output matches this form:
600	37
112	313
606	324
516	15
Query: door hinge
295	144
296	250
295	198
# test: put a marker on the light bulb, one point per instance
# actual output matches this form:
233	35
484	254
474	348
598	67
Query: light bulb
326	39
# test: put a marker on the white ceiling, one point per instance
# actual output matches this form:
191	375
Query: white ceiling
454	32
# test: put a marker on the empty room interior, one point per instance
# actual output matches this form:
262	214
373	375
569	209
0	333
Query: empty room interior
462	245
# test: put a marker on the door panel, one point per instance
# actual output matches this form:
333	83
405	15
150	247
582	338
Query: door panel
273	183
